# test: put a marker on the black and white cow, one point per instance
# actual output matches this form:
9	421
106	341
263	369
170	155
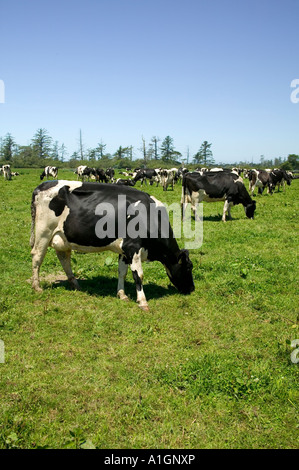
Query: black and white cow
279	178
88	217
6	170
100	175
147	174
110	174
181	172
168	178
84	171
125	182
216	186
259	179
49	171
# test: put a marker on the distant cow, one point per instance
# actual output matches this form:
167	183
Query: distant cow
147	174
84	171
100	175
49	171
216	186
125	182
110	174
279	177
260	179
168	178
71	215
6	172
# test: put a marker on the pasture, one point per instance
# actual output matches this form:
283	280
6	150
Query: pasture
206	371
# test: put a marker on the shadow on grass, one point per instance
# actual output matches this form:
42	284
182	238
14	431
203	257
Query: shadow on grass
101	286
217	218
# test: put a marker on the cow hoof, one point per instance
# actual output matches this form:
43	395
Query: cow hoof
122	296
125	298
144	307
37	289
74	284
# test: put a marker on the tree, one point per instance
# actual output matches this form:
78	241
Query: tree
81	147
100	150
41	144
8	144
167	149
154	145
294	161
204	156
121	152
144	151
63	152
55	151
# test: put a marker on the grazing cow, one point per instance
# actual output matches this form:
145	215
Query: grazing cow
147	174
15	173
84	171
167	178
279	177
49	171
110	174
181	172
6	172
259	179
100	175
216	186
124	182
71	215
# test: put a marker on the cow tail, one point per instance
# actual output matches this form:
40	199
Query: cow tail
33	215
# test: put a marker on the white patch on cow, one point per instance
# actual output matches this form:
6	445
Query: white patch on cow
158	203
115	246
136	265
239	180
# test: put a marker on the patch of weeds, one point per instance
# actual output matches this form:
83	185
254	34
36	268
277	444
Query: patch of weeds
209	376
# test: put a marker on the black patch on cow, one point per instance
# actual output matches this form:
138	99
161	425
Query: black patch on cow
58	202
137	280
46	185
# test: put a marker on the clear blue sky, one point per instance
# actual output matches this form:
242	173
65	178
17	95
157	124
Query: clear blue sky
215	70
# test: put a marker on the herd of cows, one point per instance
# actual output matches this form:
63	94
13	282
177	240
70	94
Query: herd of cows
65	216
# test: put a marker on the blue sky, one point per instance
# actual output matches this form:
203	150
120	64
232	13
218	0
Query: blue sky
215	70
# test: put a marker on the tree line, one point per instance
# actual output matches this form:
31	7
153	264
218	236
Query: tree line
43	150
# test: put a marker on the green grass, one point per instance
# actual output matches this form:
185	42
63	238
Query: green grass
209	370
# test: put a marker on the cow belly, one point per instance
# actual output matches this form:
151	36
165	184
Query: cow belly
201	196
60	243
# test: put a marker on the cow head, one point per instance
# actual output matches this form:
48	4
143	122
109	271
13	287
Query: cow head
180	273
249	210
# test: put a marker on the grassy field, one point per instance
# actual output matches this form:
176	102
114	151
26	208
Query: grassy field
206	371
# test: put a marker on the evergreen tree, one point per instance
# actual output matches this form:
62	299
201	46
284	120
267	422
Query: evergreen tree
167	149
41	144
8	146
204	156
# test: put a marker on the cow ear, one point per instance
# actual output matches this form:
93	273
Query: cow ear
183	257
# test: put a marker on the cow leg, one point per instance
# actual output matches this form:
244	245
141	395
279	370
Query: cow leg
122	272
38	253
136	267
65	260
226	208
